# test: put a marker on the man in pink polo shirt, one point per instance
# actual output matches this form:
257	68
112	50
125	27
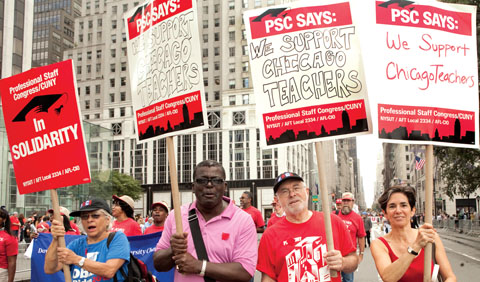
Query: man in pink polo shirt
246	204
228	234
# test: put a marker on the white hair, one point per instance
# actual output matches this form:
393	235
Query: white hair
107	215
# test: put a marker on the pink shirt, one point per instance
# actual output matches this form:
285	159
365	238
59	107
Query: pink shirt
228	237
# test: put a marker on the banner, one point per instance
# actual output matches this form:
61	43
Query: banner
307	72
44	128
164	62
422	71
142	247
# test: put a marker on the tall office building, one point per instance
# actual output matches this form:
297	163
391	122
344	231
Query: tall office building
16	25
233	138
53	30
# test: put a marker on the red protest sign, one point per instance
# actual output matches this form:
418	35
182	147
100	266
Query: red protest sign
44	130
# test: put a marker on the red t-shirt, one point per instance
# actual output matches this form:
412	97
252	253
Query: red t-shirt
354	224
75	227
274	218
14	220
8	247
256	216
294	252
129	227
153	229
415	270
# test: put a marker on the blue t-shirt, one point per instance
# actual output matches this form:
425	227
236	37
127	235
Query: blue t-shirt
119	249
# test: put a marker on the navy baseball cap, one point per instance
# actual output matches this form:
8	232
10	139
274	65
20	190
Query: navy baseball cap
285	176
92	205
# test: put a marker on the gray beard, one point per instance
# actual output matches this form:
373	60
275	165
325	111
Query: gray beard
346	210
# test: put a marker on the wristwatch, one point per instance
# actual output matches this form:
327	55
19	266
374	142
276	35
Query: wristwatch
81	262
411	251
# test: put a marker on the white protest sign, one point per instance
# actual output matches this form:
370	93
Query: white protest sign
422	71
307	72
164	62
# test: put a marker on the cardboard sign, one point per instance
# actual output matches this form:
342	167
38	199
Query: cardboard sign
44	129
164	63
422	71
307	72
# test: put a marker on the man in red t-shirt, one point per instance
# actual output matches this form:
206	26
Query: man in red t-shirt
295	248
159	214
246	205
354	223
122	210
15	224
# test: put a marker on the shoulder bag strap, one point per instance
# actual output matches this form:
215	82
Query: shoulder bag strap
109	240
198	239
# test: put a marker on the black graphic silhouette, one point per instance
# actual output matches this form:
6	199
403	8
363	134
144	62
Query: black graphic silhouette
361	125
138	12
401	133
273	12
401	3
38	104
185	124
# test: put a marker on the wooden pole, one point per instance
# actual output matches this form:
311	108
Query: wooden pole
61	240
174	182
325	200
427	263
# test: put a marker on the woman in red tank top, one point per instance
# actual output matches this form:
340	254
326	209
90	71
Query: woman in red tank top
399	255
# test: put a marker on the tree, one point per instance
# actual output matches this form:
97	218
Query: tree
107	183
459	169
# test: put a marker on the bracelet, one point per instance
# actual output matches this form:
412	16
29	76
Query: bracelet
204	267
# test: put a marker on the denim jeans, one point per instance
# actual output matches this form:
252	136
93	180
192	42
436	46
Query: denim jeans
347	277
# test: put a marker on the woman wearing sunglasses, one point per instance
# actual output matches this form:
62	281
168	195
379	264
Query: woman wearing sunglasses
89	257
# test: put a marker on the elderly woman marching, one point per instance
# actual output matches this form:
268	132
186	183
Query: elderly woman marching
399	255
89	257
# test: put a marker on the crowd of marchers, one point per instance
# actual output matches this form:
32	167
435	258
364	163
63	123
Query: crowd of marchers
219	241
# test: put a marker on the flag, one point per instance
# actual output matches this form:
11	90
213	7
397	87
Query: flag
419	163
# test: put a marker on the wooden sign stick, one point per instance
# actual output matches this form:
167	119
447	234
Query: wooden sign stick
427	263
174	182
61	240
325	200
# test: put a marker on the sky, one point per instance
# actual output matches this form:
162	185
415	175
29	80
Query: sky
368	149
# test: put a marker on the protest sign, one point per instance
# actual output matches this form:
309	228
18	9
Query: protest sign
44	128
307	72
422	71
142	247
164	64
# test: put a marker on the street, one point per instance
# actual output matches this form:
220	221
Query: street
463	252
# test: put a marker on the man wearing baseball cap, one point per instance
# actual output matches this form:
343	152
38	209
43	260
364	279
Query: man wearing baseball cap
159	214
296	247
122	210
338	206
354	225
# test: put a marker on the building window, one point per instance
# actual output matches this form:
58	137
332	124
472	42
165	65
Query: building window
245	99
205	82
124	66
89	68
245	50
205	52
111	113
114	38
231	20
205	66
216	8
97	103
114	24
245	82
97	89
245	4
205	10
244	34
87	90
214	120
205	23
97	116
112	82
231	35
112	97
79	70
216	95
258	3
244	66
87	105
231	84
231	67
217	22
122	111
123	81
231	4
231	100
117	129
98	67
216	51
113	52
216	79
125	7
216	36
205	38
89	55
231	51
217	65
112	67
99	54
239	118
123	96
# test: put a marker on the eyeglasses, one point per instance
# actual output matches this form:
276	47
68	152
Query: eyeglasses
284	192
93	215
205	181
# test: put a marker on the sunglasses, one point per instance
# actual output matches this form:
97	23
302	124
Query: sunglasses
93	215
205	181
